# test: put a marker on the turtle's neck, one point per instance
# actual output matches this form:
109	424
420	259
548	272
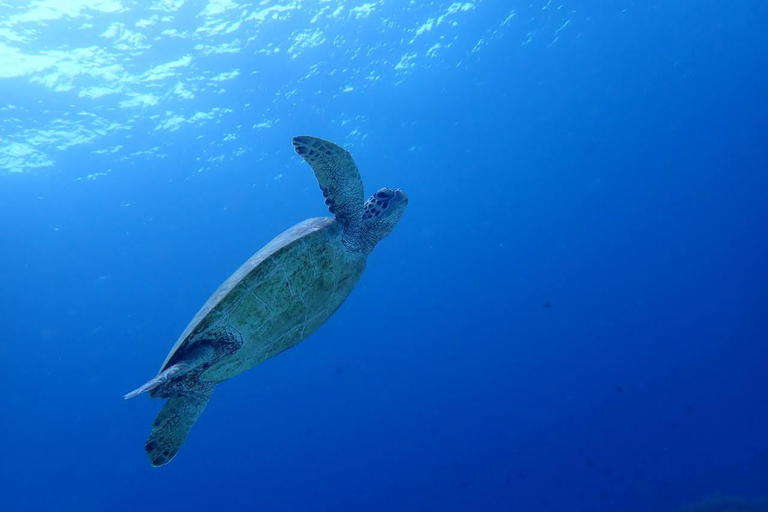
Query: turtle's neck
368	240
356	243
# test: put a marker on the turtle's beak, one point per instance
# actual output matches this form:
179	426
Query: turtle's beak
401	196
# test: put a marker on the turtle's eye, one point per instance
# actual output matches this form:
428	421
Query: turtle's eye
383	194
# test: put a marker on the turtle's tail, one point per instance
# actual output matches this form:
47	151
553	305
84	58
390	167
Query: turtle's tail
161	379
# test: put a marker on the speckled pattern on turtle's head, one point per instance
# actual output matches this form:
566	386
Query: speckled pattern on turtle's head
381	213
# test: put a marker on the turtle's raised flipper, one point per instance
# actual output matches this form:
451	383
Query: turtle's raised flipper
161	379
338	178
173	423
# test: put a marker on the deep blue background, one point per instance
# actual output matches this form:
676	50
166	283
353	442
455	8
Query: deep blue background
571	315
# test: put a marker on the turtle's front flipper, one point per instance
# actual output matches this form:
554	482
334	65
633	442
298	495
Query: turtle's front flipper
338	178
172	425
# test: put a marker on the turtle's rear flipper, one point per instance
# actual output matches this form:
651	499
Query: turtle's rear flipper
172	425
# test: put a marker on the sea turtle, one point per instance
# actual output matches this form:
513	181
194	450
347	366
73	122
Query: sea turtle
277	298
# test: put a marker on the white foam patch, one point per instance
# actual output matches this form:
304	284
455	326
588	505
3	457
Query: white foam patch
113	30
146	23
47	10
96	175
216	27
337	13
167	5
167	70
33	148
171	32
70	68
97	91
217	7
363	11
113	149
233	47
226	76
17	157
425	27
407	61
319	14
452	11
136	100
305	40
215	113
171	124
13	62
12	35
494	33
124	39
273	13
181	90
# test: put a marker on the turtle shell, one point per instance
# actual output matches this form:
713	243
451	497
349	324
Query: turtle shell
278	297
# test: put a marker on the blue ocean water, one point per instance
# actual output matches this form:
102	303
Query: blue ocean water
570	316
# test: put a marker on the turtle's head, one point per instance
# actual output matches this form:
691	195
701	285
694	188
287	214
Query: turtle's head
380	214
